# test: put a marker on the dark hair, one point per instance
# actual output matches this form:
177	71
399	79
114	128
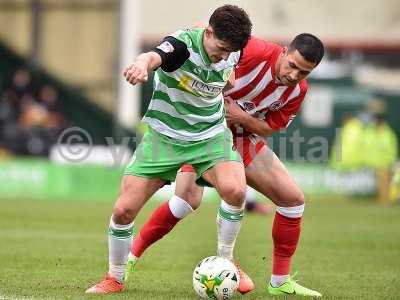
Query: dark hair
232	25
309	46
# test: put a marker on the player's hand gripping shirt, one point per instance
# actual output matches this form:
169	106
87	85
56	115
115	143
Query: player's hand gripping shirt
187	102
257	90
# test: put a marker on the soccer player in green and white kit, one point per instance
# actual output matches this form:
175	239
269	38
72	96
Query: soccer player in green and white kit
187	125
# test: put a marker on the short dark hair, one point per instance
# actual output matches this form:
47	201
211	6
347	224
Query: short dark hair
232	25
309	46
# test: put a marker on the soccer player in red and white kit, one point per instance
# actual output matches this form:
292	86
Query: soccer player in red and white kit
267	93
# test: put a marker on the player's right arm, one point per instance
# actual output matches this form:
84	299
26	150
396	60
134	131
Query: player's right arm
138	72
170	55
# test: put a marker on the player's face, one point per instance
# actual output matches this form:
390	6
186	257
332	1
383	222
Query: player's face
293	67
216	49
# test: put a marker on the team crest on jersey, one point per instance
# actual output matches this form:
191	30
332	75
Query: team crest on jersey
276	105
166	47
248	105
197	71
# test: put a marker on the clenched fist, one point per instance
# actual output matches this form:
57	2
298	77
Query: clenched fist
136	73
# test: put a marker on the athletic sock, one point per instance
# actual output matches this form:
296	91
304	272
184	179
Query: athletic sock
228	225
119	242
277	280
285	234
161	222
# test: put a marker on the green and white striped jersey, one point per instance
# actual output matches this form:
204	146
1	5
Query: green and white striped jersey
187	103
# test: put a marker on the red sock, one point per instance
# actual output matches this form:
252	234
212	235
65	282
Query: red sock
286	234
159	224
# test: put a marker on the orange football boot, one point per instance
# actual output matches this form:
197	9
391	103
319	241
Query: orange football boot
107	286
245	283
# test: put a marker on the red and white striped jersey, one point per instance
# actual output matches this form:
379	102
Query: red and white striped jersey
257	90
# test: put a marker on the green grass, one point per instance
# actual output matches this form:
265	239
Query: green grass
349	250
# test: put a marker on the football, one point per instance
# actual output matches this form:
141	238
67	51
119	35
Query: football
215	278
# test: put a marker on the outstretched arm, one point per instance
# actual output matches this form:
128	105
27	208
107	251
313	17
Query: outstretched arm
170	55
138	72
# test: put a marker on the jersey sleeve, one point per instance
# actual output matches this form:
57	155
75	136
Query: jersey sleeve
280	119
173	53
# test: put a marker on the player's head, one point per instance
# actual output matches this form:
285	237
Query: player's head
297	60
229	30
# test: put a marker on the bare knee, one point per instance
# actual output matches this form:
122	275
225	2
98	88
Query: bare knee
299	198
194	202
187	189
134	192
122	214
296	198
233	195
192	197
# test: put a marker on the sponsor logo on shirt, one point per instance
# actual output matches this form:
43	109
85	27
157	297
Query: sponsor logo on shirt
199	88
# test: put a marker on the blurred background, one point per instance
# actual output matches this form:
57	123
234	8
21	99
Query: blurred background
69	123
61	63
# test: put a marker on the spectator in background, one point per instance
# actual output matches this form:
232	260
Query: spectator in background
48	97
9	114
22	82
394	195
380	144
33	115
370	144
30	119
380	150
345	154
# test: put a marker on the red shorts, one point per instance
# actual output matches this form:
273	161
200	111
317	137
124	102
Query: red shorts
247	146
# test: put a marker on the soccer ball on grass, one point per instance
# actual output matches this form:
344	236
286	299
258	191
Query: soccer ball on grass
215	278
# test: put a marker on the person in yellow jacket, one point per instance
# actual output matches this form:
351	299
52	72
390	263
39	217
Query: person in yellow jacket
345	154
380	152
394	195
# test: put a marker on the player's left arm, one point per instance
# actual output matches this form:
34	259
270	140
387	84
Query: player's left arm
257	126
282	118
273	121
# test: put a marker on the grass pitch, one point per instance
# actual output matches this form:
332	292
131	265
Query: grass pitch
349	250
